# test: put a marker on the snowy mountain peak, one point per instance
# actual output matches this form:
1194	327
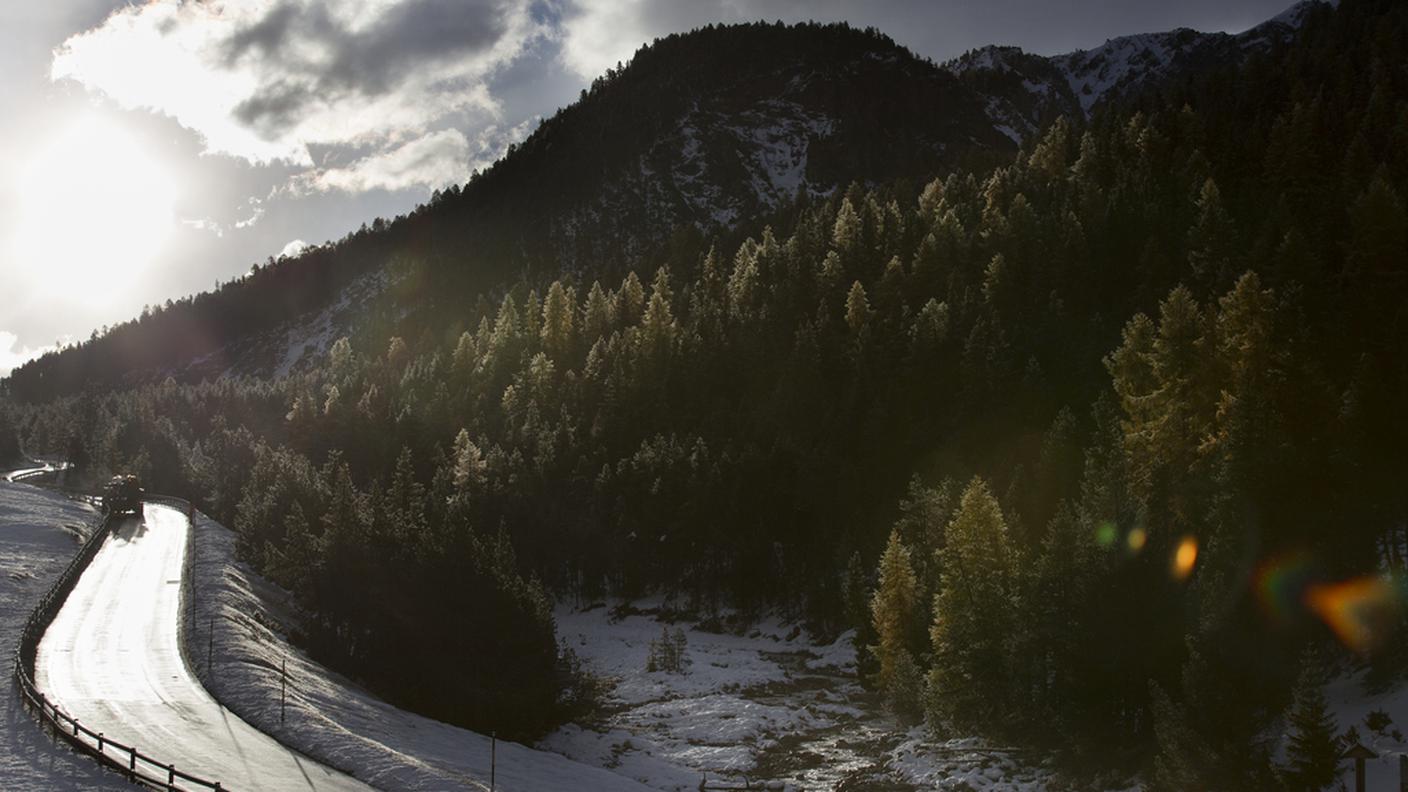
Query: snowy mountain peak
1023	91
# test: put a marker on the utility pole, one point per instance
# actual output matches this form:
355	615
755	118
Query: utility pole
493	757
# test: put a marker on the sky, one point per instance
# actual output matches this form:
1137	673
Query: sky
150	150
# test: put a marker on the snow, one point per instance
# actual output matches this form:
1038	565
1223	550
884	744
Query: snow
1349	703
40	532
330	718
772	139
762	701
111	659
311	337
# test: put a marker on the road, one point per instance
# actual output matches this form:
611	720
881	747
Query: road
26	473
111	659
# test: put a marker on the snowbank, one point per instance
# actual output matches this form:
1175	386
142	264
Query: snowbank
330	718
39	533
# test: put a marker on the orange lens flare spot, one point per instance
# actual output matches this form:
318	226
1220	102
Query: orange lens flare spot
1185	557
1137	539
1360	612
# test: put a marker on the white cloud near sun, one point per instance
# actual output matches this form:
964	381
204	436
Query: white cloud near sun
434	159
13	354
265	80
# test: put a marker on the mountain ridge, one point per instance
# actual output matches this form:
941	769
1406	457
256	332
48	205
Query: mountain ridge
708	134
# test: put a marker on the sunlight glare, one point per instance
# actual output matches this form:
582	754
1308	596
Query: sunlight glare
96	209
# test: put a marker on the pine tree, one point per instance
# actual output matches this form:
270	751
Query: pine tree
558	322
1312	752
857	308
892	608
1212	239
846	234
973	622
596	314
630	300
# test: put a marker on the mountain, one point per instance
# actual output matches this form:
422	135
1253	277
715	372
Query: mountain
703	135
1024	92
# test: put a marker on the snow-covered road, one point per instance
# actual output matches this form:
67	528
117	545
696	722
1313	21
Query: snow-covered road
28	473
111	659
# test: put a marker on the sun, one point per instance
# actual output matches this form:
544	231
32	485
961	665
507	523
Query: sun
96	207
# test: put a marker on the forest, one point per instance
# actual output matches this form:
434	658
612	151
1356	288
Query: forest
1048	434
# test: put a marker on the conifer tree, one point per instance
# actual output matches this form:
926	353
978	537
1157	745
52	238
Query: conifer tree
558	322
857	308
973	623
892	608
630	300
1312	752
596	314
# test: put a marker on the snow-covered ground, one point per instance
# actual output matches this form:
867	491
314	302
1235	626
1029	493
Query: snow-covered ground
111	659
1350	703
329	717
39	533
762	702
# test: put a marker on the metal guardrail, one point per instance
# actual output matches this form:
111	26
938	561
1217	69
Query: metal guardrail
138	767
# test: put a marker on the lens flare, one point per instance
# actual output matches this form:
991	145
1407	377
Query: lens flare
1281	587
1136	540
1361	612
1185	557
1105	534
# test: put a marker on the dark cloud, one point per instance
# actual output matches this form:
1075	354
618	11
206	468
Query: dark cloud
372	61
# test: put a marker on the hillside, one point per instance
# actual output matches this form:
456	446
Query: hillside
703	135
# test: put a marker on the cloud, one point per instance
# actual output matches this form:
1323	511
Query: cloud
434	160
265	80
293	248
13	355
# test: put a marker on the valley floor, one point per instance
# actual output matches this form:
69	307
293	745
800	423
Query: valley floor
764	704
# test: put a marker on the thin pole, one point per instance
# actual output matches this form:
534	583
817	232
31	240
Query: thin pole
283	690
493	757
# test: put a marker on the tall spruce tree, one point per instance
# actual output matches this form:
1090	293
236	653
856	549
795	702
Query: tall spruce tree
1312	751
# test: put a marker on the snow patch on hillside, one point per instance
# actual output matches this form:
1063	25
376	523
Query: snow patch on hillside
40	531
310	337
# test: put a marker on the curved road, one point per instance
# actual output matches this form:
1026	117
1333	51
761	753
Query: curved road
111	659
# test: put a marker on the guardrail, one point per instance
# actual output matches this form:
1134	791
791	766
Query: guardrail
138	767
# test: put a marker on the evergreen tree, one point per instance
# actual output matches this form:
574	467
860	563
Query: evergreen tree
973	624
857	308
892	609
1312	750
558	322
